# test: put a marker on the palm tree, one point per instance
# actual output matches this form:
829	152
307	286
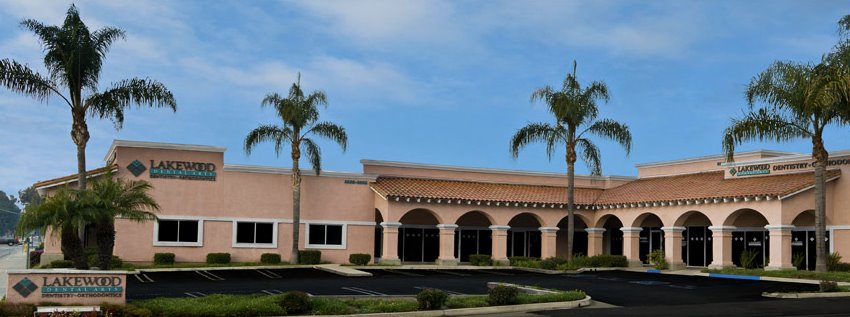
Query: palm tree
575	112
62	214
801	100
299	115
109	198
73	57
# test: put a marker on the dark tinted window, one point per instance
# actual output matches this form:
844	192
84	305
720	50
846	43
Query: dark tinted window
167	231
334	235
244	232
188	231
265	233
317	234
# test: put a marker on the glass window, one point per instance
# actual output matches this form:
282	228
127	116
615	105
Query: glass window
178	231
255	232
325	235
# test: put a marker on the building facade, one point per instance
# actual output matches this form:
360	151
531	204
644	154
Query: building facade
699	211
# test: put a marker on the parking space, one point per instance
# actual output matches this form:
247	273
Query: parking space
613	287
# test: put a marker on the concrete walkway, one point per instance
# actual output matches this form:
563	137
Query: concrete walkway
15	260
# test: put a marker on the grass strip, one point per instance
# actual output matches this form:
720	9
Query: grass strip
808	275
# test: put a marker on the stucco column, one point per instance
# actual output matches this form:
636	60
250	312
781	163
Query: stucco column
594	241
548	241
721	237
673	247
447	244
780	247
631	245
499	236
389	252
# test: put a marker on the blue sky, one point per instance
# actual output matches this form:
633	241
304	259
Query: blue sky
441	82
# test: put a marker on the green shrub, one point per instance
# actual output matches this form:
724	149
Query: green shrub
359	258
40	246
552	263
797	259
842	267
270	258
9	309
431	298
61	264
480	259
128	310
115	263
534	264
829	286
309	257
580	261
748	258
832	261
657	258
517	259
163	258
295	303
609	261
502	295
218	258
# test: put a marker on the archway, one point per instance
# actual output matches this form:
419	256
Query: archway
697	245
579	237
612	238
524	235
379	234
418	236
803	242
651	237
473	235
750	235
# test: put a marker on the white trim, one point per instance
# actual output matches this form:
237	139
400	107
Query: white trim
631	229
595	230
391	225
288	171
158	243
548	229
807	188
163	146
278	220
780	227
443	226
714	158
487	170
339	222
673	229
838	227
722	228
344	233
499	228
88	176
273	245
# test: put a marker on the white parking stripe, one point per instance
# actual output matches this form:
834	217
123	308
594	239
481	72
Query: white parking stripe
195	294
148	277
268	274
268	292
451	273
364	291
209	276
191	295
403	273
139	278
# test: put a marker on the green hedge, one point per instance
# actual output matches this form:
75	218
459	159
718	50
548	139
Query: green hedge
309	257
518	259
270	258
502	295
218	258
61	264
480	259
296	303
359	258
163	258
431	299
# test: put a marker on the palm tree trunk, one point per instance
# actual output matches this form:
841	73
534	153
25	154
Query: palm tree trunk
105	233
80	136
571	171
821	158
296	201
72	248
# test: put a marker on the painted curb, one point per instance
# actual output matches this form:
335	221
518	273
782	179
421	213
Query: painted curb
805	295
735	276
483	310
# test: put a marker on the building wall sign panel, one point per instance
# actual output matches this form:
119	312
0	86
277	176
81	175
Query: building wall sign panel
66	287
175	169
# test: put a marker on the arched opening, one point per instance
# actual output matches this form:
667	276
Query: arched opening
612	238
579	237
473	235
803	242
418	236
524	235
651	237
379	234
750	235
697	244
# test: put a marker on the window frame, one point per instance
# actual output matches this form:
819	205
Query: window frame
273	245
200	239
341	246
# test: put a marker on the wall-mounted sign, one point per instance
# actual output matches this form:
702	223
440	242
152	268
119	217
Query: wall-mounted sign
175	169
356	182
66	286
760	169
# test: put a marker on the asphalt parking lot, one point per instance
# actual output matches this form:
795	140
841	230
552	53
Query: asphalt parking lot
630	289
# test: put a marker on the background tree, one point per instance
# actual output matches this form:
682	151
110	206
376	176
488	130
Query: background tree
9	214
299	115
62	215
575	111
800	101
110	197
73	57
29	196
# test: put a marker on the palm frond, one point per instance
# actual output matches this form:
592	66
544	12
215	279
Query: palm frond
266	133
612	130
104	38
762	125
330	131
23	80
590	155
111	103
532	133
313	153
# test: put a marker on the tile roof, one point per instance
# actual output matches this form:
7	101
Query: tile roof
73	177
707	186
448	189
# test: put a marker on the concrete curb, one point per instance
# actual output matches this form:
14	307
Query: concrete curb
541	271
221	268
805	295
483	310
342	270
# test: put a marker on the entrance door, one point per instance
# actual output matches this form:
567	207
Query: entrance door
696	245
757	241
803	245
651	239
615	241
419	244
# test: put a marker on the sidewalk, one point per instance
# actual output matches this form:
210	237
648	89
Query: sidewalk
14	261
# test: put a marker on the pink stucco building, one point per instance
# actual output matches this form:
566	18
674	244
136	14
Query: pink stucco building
700	211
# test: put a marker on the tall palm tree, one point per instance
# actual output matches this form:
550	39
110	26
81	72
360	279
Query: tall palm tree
73	57
109	198
800	101
299	115
575	111
62	214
